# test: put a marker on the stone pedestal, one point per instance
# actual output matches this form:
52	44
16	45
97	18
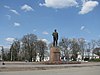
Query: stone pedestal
54	55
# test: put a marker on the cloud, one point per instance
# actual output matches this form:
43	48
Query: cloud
9	17
16	24
26	8
59	3
6	6
99	35
34	30
45	33
82	28
10	39
14	11
45	40
88	6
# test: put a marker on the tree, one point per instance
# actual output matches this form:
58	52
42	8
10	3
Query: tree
41	48
14	50
75	48
2	53
64	44
7	56
98	43
93	44
88	49
29	46
82	45
97	51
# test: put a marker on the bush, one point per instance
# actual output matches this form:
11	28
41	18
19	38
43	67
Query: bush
95	60
86	59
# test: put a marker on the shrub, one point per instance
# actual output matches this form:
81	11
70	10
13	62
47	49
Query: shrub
95	60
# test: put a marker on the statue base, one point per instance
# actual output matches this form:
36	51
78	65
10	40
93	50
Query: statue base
54	55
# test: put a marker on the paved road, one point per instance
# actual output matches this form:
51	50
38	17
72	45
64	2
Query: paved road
94	70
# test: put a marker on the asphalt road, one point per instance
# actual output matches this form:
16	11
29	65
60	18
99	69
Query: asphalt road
93	70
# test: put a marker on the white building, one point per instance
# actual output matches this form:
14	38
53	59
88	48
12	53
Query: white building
87	55
46	58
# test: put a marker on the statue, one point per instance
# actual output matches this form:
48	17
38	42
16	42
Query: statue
55	38
55	51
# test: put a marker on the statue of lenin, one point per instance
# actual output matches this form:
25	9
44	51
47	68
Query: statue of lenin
55	38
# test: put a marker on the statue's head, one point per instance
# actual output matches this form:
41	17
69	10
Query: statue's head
55	30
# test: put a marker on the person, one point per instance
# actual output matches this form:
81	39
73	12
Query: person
55	37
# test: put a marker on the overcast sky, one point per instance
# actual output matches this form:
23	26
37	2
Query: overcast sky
71	18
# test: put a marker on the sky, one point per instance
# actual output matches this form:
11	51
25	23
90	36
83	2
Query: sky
71	18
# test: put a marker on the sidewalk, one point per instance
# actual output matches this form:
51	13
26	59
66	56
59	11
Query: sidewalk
34	66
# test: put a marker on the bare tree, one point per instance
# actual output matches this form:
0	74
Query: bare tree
14	50
75	48
88	49
97	51
41	48
2	53
93	46
64	44
29	46
82	44
98	43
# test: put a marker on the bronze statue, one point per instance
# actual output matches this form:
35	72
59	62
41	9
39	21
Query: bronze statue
55	38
